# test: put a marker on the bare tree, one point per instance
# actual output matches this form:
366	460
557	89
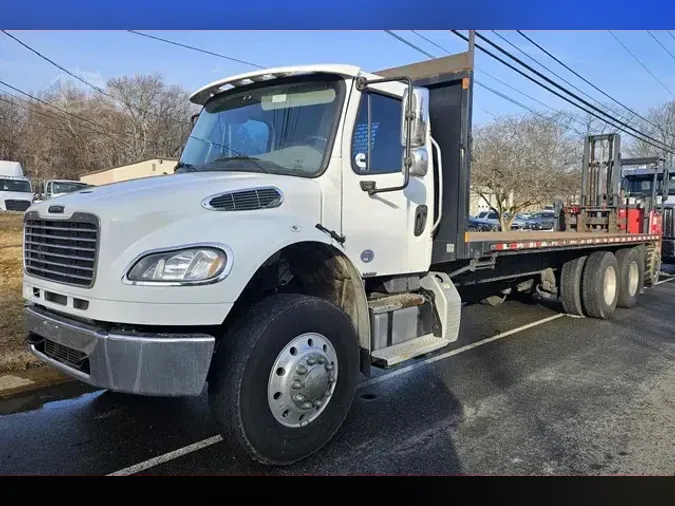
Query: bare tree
524	161
71	131
660	126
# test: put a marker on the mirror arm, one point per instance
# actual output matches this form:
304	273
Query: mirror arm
369	186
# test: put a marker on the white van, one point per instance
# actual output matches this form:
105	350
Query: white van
16	192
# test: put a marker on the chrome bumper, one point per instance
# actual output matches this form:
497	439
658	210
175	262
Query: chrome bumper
145	364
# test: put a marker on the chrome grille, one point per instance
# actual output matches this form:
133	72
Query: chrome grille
63	251
245	200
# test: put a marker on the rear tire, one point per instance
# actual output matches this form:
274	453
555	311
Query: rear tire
570	286
631	276
287	344
600	285
653	266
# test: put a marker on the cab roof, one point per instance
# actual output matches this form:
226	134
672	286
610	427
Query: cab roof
206	92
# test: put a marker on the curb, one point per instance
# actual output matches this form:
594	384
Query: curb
14	383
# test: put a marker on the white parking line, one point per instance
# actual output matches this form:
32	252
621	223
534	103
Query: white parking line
147	464
161	459
457	351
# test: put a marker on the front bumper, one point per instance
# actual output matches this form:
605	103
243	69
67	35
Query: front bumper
145	364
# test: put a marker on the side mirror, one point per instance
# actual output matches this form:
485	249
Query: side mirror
420	162
418	112
193	119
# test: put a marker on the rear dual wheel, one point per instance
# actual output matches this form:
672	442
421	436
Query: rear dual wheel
596	284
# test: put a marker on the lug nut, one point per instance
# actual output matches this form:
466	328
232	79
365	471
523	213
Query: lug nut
331	380
329	367
306	405
317	404
304	423
321	360
298	398
311	360
301	370
296	384
327	393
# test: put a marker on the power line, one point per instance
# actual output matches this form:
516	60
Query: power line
661	44
79	78
659	144
552	72
59	109
37	112
498	93
563	64
194	48
54	63
506	97
410	44
641	64
612	118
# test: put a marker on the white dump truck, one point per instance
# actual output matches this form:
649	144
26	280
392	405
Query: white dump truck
315	228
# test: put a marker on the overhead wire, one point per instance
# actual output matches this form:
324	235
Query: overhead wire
590	83
642	64
504	96
195	48
661	44
103	130
613	121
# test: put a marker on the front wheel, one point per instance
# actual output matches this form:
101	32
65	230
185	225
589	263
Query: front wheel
285	378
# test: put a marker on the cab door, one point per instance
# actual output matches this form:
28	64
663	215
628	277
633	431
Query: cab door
387	233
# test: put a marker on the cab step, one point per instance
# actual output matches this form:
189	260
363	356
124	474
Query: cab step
397	353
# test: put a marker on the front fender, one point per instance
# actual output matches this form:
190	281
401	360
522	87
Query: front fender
251	237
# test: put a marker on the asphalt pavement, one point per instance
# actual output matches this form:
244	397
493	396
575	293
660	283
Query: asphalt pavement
523	391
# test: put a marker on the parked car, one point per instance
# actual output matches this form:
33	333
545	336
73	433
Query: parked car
543	220
478	225
492	217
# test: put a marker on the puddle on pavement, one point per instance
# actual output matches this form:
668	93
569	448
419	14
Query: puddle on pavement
65	394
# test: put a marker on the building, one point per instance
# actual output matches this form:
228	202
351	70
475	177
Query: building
144	168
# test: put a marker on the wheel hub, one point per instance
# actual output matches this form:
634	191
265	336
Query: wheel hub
302	379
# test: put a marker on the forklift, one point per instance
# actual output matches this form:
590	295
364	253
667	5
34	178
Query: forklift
605	207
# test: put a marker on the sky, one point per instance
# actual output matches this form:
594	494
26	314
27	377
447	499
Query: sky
100	55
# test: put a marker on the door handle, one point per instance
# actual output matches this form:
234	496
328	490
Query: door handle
420	220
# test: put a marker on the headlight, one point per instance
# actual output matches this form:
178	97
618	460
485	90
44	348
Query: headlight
182	267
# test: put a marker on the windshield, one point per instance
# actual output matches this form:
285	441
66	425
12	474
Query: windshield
14	185
283	128
67	187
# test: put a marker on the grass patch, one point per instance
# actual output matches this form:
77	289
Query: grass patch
13	354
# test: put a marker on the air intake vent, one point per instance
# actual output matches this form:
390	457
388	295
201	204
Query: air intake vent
244	200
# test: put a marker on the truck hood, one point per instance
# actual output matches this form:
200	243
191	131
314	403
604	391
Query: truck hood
173	196
133	211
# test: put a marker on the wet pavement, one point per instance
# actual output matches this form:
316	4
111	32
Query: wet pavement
571	395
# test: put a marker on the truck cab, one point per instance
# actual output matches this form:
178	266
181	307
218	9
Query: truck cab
56	187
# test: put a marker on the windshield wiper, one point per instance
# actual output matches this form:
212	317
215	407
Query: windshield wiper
184	167
237	157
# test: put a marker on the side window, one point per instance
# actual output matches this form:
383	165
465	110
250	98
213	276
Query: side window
386	155
250	138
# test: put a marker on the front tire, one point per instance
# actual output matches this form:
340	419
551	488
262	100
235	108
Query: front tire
285	378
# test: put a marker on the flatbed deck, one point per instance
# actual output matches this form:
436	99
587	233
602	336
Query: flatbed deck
527	240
